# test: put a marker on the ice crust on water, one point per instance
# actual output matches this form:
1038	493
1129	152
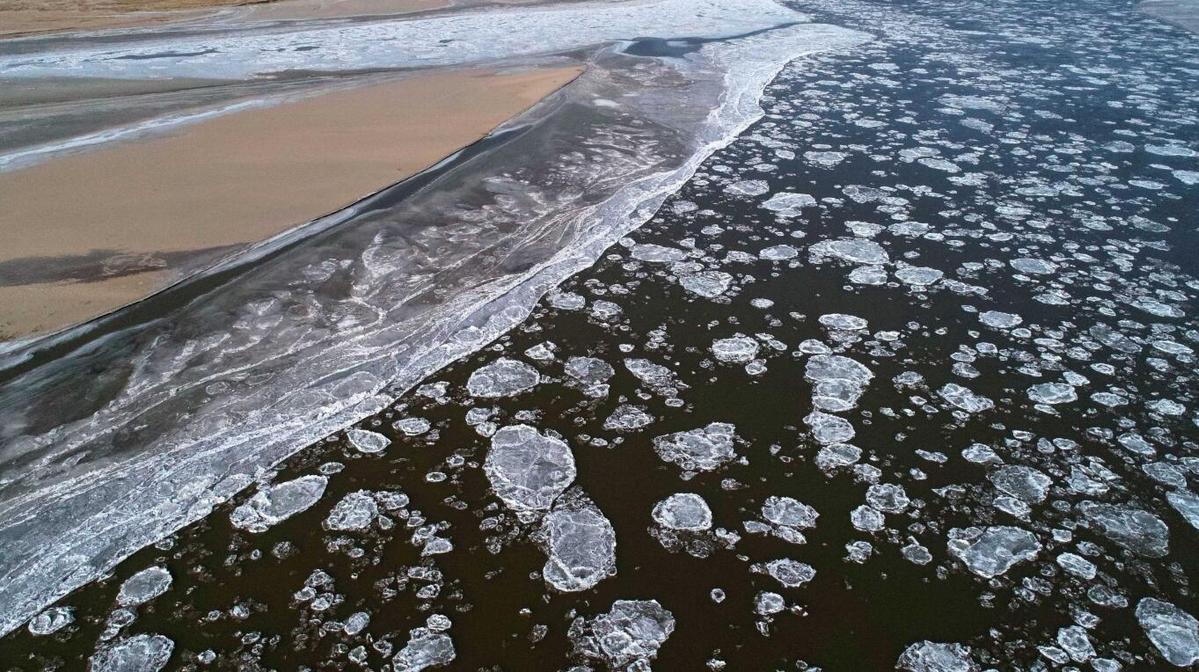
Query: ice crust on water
580	543
748	188
144	586
992	551
365	441
684	511
279	502
702	449
139	653
589	370
1174	632
627	637
354	512
929	656
1052	393
502	378
528	470
658	254
829	429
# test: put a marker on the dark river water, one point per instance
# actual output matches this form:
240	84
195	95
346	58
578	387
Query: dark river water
944	294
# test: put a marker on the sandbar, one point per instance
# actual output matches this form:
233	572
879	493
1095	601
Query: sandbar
227	182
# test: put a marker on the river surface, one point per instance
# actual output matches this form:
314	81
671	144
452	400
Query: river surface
903	376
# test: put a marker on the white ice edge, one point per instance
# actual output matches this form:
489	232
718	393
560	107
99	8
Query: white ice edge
468	36
507	302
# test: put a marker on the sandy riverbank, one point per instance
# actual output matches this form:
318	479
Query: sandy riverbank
25	17
87	233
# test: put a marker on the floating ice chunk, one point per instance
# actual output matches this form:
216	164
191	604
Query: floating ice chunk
1074	641
627	418
964	399
852	250
1032	266
542	352
790	573
748	188
918	276
767	603
708	284
837	456
527	470
139	653
778	253
829	429
736	350
277	503
425	648
868	275
657	254
824	368
929	656
684	511
1052	393
627	637
1139	531
887	497
702	449
786	204
916	554
366	441
1156	308
843	322
1186	504
789	512
1077	565
567	301
980	454
589	370
51	621
1174	632
654	375
825	159
992	551
605	310
1171	150
144	586
1000	320
355	511
356	623
580	543
867	519
502	378
412	426
1023	483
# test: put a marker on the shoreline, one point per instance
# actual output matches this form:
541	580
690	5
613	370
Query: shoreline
227	183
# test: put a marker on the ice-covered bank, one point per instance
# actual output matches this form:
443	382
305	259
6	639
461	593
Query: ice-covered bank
194	402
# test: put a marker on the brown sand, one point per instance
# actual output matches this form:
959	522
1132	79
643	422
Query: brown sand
21	17
232	180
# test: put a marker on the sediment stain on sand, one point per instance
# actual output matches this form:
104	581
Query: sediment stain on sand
235	180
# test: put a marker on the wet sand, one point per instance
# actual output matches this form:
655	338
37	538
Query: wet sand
233	180
25	17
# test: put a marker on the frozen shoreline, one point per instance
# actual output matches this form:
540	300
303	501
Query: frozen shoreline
261	392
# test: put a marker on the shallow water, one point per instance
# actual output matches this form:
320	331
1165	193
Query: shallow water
1022	176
